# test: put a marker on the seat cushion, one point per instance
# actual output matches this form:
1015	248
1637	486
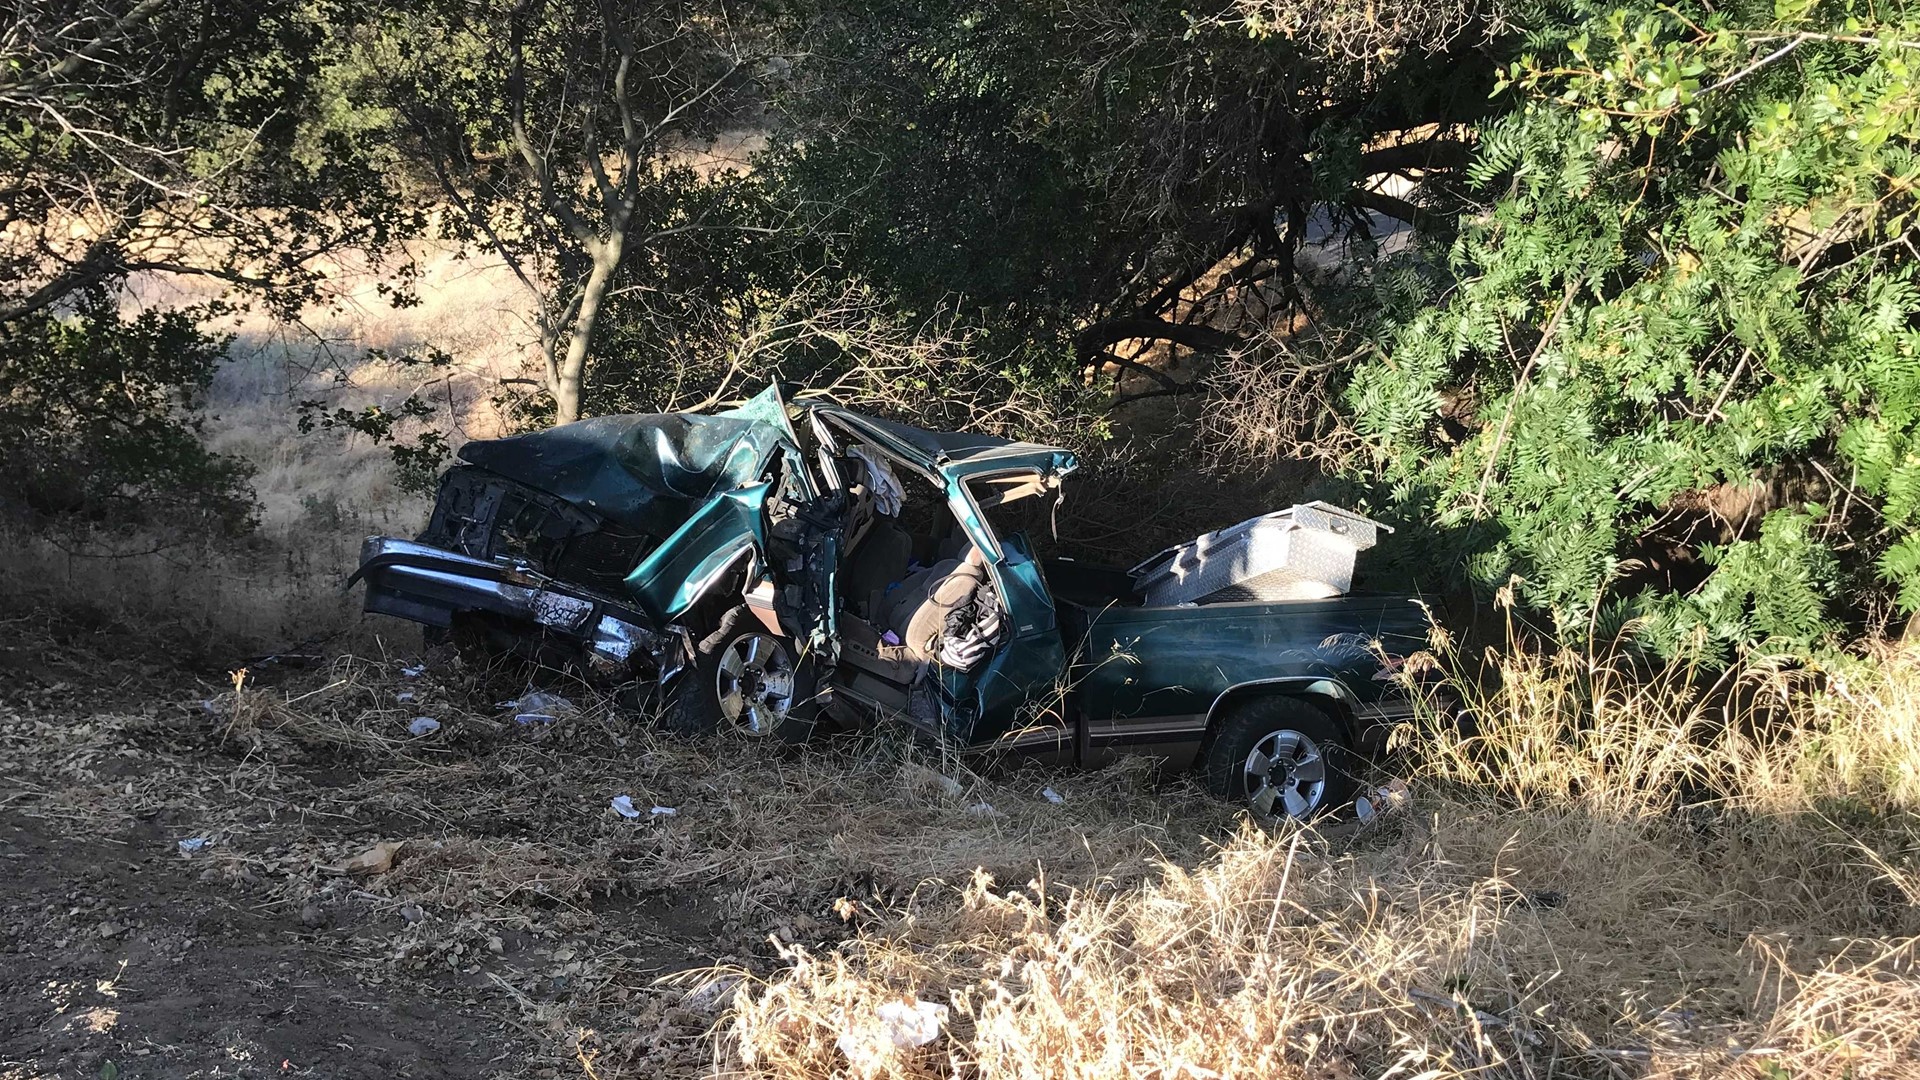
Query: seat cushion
877	560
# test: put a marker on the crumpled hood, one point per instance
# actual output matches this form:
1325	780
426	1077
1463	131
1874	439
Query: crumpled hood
646	471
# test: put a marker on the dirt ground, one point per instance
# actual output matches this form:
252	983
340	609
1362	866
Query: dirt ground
520	927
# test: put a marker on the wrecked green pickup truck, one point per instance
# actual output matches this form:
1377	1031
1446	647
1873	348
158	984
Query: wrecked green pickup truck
777	584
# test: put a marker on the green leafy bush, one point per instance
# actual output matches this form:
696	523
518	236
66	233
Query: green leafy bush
1683	281
97	421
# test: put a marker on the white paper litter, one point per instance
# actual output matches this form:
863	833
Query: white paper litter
1053	796
665	811
539	703
623	805
193	844
423	725
1389	796
912	1023
414	671
901	1025
404	695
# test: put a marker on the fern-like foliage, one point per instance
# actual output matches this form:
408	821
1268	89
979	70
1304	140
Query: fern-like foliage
1687	283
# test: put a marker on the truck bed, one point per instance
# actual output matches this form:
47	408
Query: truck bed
1145	674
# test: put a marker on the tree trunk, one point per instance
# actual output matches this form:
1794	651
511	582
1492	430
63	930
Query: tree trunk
566	386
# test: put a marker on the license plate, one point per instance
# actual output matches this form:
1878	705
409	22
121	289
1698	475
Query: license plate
560	611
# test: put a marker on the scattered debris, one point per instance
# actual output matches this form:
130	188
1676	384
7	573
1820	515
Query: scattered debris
1388	797
540	703
912	1023
709	996
870	1045
193	844
933	781
623	805
414	671
377	859
1053	796
665	811
423	725
1537	899
404	695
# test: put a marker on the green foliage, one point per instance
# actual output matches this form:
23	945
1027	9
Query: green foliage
153	140
1688	278
196	139
96	419
1058	178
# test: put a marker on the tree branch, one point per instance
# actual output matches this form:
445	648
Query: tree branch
517	108
1393	207
140	13
1426	154
1095	339
1167	385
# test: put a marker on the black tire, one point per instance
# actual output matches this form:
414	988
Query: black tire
1310	744
757	707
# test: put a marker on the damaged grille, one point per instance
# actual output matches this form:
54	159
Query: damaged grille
486	516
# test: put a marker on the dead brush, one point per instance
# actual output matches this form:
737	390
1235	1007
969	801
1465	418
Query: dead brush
1852	1016
1563	728
465	873
1603	874
1276	959
341	714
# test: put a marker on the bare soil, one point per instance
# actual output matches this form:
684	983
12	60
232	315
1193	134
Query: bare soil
521	928
127	956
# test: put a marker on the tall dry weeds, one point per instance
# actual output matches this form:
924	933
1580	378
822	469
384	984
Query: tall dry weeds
1606	874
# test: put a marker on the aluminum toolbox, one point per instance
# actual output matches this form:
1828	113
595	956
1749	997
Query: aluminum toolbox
1304	552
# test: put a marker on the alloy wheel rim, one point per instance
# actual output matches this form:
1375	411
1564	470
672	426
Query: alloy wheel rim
1286	775
754	684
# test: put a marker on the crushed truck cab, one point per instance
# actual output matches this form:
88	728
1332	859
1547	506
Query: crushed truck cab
773	568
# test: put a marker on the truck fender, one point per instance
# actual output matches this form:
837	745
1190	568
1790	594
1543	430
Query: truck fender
701	553
1319	687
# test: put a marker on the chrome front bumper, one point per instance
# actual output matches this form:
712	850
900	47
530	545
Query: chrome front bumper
428	585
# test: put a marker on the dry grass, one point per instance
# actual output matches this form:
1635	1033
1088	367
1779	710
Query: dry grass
319	493
1611	876
513	876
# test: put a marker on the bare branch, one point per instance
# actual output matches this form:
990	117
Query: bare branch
517	108
74	60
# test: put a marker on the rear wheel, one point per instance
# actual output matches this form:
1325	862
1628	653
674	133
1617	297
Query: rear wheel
746	679
1280	757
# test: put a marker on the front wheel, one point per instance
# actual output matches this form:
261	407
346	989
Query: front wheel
1281	757
745	679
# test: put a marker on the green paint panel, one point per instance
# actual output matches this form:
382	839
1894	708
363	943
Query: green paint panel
721	532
